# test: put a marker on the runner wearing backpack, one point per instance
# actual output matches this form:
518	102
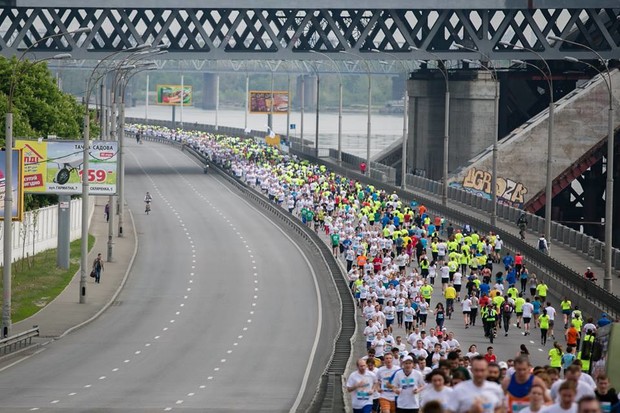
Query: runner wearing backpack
506	309
543	245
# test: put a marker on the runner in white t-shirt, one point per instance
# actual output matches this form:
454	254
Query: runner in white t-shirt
408	383
360	385
486	395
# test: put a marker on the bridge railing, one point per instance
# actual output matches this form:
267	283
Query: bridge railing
562	280
581	243
585	294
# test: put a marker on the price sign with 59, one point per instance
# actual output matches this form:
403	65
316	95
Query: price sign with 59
95	175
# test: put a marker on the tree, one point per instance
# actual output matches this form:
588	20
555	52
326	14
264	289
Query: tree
39	107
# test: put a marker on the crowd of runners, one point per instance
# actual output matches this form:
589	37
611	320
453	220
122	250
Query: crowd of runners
410	272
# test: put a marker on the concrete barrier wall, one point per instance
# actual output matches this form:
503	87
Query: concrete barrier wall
39	230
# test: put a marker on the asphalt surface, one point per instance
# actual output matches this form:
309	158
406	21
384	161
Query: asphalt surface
219	313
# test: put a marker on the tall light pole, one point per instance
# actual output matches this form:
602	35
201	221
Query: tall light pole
493	71
368	125
549	177
85	164
609	189
446	125
8	194
318	92
406	71
339	102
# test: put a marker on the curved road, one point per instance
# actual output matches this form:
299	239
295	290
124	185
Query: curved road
220	312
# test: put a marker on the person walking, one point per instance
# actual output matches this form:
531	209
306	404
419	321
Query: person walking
98	268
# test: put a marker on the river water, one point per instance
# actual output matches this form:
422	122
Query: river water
385	129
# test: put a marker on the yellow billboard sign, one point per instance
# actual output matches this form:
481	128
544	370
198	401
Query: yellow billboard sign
55	167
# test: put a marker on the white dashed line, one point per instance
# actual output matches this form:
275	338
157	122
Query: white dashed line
54	401
102	378
88	386
72	394
137	352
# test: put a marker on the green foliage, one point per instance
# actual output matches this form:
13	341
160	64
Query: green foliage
39	107
40	281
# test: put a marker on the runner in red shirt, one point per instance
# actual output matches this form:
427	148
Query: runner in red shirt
489	356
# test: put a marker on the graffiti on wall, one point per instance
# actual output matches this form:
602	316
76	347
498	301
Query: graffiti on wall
478	182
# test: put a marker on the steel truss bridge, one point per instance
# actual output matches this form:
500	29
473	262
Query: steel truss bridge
203	30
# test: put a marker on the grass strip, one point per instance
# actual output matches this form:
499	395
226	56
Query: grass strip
37	280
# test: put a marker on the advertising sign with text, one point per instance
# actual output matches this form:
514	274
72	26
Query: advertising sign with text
56	167
18	192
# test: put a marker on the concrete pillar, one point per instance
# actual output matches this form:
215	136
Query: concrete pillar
209	90
309	93
471	119
398	86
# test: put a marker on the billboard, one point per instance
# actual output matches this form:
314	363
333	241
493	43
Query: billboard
18	189
261	101
55	167
171	95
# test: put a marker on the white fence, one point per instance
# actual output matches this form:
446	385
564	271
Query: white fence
39	230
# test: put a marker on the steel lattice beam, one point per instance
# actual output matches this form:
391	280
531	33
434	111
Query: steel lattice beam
290	34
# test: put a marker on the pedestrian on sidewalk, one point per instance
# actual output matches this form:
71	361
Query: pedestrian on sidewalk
106	212
98	267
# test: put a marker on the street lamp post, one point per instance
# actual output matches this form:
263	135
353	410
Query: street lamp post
339	102
491	69
406	71
609	189
549	177
85	164
368	125
8	194
446	126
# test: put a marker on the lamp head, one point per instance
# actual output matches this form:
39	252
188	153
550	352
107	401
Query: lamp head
414	48
459	46
571	59
519	62
507	44
139	47
82	30
556	38
61	56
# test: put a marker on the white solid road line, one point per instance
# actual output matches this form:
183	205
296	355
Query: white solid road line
319	324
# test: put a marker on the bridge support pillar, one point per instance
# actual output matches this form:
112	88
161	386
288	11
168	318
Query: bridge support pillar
209	90
472	97
309	92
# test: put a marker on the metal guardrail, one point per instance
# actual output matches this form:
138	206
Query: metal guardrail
10	344
581	243
329	395
588	296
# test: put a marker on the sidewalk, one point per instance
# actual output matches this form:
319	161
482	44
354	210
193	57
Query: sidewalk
65	313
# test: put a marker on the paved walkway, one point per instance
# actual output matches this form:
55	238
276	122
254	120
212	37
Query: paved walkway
65	313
